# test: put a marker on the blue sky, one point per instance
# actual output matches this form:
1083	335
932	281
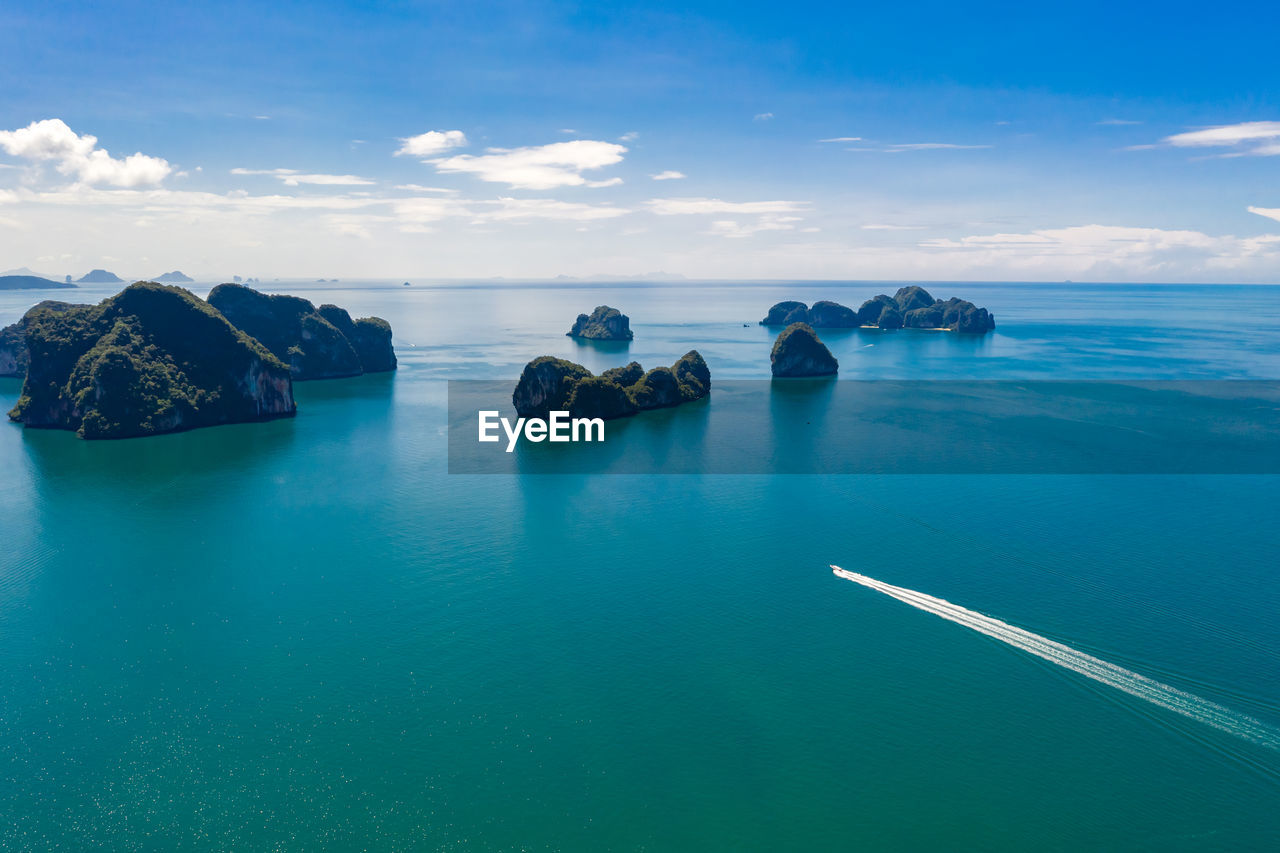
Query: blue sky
978	141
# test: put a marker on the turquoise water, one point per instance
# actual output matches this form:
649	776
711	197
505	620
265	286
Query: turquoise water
304	635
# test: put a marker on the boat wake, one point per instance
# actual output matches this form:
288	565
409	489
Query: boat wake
1155	692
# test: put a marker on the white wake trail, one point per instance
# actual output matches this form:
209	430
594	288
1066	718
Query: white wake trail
1155	692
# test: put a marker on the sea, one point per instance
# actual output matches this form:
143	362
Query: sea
307	634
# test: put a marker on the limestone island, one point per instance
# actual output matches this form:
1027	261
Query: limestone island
156	358
316	343
603	324
799	351
911	307
150	360
175	277
554	384
30	282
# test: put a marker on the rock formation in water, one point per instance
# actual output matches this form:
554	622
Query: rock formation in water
955	314
603	324
831	315
553	384
14	356
100	277
799	351
911	307
30	282
149	360
785	313
175	277
322	343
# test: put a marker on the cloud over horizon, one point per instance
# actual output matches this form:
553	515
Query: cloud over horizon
78	156
539	167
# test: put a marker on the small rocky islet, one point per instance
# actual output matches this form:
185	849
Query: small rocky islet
555	384
156	358
602	324
799	352
911	307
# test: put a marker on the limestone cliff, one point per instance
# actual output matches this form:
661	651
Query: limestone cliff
553	384
322	343
150	360
602	324
798	351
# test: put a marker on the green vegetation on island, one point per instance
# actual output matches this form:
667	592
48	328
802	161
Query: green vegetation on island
150	360
602	324
554	384
798	351
911	307
322	343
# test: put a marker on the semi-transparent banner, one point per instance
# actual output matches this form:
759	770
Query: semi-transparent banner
887	427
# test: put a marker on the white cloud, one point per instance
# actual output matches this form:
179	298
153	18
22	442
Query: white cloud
1099	248
293	177
762	117
540	167
901	147
668	175
1269	212
737	230
414	213
568	130
419	188
881	227
933	146
1116	122
629	136
431	143
77	156
546	208
683	206
842	139
1260	138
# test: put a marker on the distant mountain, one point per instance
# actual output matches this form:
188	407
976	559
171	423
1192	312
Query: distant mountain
175	276
29	282
30	271
100	277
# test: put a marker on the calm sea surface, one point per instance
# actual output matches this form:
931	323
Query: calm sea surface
305	635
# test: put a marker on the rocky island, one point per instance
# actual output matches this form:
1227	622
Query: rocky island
100	277
799	351
30	282
14	355
316	343
602	324
175	277
911	307
150	360
554	384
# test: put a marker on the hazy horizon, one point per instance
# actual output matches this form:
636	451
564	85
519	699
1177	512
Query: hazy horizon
471	140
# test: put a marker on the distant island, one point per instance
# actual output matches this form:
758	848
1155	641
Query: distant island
602	324
30	282
554	384
911	307
100	277
156	358
316	343
799	351
175	277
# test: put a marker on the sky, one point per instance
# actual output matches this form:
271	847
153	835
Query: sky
712	140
